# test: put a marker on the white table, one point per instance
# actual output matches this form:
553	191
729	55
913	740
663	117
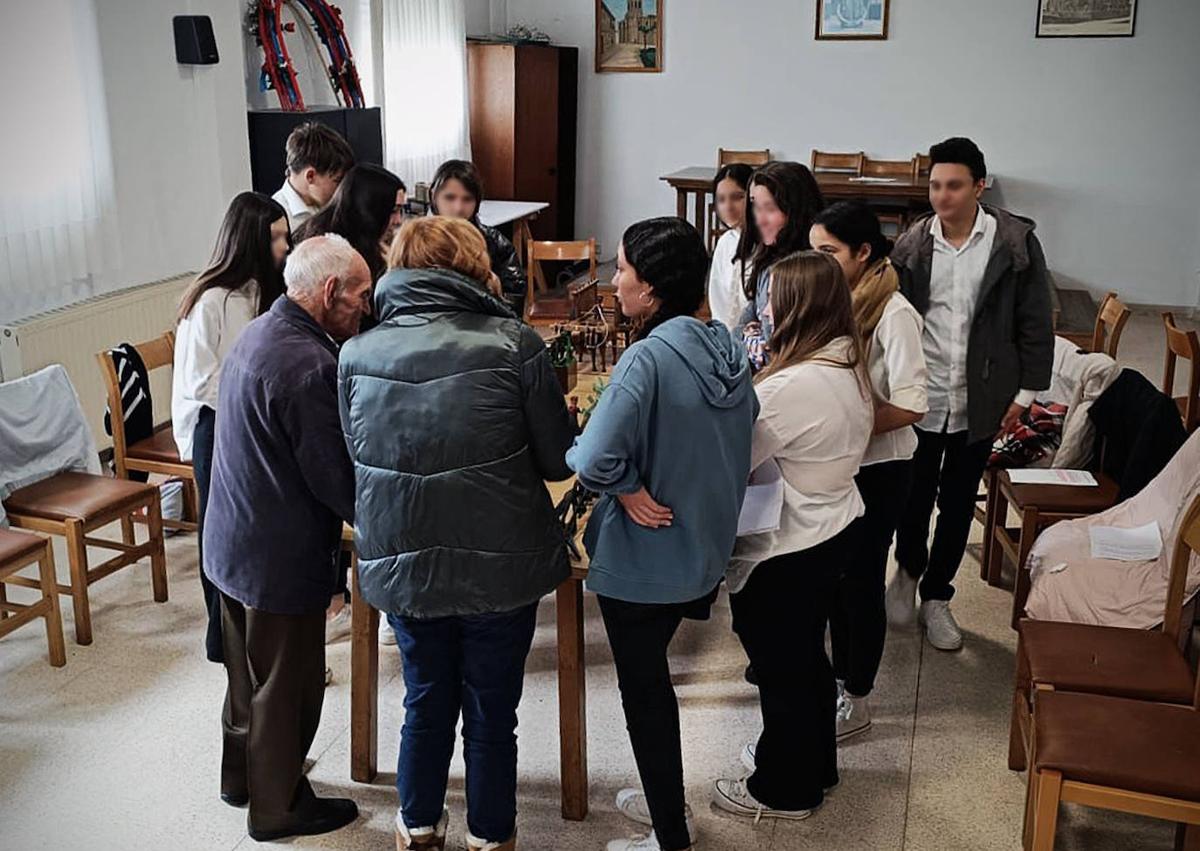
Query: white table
519	214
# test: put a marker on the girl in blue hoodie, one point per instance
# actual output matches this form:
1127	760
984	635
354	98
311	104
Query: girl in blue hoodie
668	447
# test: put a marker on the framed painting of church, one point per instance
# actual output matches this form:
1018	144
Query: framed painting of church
629	35
845	20
1086	18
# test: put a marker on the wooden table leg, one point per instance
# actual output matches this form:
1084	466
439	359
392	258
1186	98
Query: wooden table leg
572	700
522	236
1029	530
992	475
993	554
702	215
364	682
681	197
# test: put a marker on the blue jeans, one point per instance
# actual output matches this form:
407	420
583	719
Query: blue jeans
473	664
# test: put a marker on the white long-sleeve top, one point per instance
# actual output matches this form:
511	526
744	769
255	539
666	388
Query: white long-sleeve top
815	422
726	300
896	362
202	340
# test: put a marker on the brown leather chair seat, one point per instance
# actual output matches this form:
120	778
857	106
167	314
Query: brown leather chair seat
74	495
1151	748
17	545
1145	665
160	447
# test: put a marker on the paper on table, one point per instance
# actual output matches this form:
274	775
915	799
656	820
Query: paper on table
763	503
1052	476
873	180
1141	543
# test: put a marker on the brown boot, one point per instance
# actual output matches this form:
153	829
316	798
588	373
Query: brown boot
476	844
427	839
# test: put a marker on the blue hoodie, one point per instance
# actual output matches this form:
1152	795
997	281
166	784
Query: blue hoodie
677	418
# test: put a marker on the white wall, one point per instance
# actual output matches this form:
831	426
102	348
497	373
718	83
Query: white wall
179	141
1095	138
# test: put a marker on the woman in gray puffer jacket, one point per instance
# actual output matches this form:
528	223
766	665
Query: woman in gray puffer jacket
454	420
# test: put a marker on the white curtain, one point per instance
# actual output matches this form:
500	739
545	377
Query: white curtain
424	85
57	233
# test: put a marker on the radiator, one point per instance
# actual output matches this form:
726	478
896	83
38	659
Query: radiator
73	334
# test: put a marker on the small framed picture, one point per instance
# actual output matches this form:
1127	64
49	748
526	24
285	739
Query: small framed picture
1086	18
629	35
852	19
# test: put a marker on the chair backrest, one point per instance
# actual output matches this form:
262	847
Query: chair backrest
155	354
1186	543
726	157
906	169
1183	344
1110	322
924	163
849	163
538	250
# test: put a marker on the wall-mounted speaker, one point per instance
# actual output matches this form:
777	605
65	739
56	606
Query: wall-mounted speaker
194	41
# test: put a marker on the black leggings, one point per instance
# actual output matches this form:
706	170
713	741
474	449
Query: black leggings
858	627
202	454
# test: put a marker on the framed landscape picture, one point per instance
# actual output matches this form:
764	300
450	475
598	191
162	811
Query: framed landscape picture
1086	18
629	35
852	19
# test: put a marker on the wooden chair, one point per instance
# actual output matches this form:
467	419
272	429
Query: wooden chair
75	504
755	158
1110	322
1039	506
1183	344
895	215
1115	661
845	163
18	550
922	164
555	306
158	452
1115	753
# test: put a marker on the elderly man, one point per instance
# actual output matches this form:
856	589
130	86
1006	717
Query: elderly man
282	483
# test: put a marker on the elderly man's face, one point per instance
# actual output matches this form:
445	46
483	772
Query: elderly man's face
348	302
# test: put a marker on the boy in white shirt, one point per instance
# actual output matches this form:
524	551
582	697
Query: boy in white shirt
317	157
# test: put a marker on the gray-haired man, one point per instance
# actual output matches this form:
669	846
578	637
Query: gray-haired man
282	484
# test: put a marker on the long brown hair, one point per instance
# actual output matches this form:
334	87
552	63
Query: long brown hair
811	305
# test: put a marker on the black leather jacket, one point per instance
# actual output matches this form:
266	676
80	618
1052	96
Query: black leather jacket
506	266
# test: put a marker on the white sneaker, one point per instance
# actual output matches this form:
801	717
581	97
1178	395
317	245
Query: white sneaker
422	837
747	756
732	796
631	803
900	599
338	626
474	843
649	842
387	635
853	716
940	626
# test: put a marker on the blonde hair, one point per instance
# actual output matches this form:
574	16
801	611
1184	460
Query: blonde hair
811	304
440	242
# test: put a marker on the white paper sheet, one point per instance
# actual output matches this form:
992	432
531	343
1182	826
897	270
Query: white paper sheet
763	503
874	180
1052	476
1140	543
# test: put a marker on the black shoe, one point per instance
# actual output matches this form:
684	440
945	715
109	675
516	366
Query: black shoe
323	815
751	677
235	800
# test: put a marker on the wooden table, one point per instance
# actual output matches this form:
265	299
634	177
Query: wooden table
519	214
697	180
572	690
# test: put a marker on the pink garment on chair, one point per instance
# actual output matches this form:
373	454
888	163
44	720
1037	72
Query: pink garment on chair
1108	592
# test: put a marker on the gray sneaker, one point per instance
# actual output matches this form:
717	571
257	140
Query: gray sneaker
940	626
900	599
853	716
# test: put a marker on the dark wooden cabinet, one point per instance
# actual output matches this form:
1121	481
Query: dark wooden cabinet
524	100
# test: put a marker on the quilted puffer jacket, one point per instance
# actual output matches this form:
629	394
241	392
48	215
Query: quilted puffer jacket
454	420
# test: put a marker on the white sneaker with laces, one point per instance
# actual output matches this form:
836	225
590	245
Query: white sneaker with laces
649	842
900	599
387	635
732	796
853	716
940	627
631	803
338	626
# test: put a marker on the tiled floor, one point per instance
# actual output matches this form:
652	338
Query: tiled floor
120	749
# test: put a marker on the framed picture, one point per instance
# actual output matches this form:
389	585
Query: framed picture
852	19
629	35
1086	18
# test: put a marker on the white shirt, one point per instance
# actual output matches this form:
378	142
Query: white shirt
954	283
726	299
816	420
297	211
896	362
202	340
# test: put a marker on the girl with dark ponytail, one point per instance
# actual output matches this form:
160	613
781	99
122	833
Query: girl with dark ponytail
668	447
